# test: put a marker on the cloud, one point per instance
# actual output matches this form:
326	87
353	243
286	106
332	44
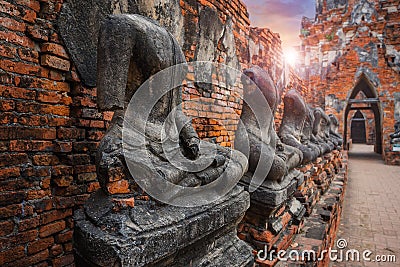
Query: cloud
284	9
281	16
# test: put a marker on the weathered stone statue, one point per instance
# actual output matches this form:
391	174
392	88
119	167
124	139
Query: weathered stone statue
334	131
395	137
116	85
273	206
280	159
308	138
132	49
286	157
291	130
321	129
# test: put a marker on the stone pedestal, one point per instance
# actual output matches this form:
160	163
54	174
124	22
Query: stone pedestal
320	227
146	235
274	216
325	170
272	194
308	193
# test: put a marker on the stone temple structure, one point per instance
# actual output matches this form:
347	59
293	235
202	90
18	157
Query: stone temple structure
68	70
351	63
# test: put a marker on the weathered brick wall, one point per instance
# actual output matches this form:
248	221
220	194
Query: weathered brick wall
50	128
214	119
254	46
50	124
347	39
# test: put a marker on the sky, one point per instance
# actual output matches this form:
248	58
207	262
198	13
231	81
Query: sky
281	16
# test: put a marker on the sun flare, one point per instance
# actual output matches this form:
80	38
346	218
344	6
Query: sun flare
291	56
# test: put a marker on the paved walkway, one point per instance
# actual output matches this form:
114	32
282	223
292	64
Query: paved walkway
371	213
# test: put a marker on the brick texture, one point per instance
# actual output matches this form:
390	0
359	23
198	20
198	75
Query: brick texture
42	178
342	44
50	126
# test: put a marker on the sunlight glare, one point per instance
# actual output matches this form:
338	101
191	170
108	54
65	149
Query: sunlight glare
291	57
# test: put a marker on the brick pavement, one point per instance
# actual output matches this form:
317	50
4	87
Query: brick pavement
371	212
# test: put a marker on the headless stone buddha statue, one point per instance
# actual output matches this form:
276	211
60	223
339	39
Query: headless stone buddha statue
333	142
321	129
334	131
144	154
286	157
308	138
291	129
139	49
129	228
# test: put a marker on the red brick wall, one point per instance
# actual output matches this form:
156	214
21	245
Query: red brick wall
50	126
215	121
49	131
335	50
255	46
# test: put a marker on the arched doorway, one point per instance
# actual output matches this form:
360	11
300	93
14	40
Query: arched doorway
364	97
358	131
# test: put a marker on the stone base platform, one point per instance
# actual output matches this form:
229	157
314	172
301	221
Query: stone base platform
271	194
309	215
320	228
148	235
274	216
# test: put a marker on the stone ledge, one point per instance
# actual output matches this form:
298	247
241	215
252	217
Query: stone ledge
318	199
320	228
162	235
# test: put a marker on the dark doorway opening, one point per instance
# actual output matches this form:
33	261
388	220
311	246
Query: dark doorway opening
364	97
358	129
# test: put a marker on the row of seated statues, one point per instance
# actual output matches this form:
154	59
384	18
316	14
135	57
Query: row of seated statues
305	133
153	145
